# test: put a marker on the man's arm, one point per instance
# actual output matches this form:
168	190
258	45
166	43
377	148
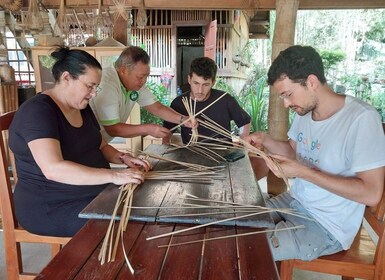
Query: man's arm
244	131
170	115
164	112
132	130
366	187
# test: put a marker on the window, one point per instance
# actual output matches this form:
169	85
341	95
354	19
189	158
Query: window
19	57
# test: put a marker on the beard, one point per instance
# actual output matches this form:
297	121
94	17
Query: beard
301	111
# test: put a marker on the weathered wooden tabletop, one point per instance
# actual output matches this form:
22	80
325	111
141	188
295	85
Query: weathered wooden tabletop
238	186
243	257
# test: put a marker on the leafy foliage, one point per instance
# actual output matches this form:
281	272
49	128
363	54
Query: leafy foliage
255	101
377	30
162	95
331	58
221	84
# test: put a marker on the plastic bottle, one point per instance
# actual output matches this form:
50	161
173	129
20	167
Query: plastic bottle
178	91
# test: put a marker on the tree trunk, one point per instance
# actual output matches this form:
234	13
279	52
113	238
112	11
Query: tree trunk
278	119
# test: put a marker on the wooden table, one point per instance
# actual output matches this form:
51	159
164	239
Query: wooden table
245	257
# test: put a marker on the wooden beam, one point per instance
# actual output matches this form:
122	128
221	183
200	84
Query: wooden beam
341	4
222	5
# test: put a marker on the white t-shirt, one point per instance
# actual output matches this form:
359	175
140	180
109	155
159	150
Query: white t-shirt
113	105
350	141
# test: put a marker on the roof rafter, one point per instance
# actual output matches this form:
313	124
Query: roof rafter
224	4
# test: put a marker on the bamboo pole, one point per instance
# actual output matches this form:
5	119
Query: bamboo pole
278	116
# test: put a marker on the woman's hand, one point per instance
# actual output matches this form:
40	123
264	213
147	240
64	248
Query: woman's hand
126	176
134	162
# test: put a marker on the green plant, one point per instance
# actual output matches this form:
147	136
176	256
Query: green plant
255	99
361	88
221	84
331	58
378	102
162	95
358	86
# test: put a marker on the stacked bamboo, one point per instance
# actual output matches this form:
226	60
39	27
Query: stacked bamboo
9	100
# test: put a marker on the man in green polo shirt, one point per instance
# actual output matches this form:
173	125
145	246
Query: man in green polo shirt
123	86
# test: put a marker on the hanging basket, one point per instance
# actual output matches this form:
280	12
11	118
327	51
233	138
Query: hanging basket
11	5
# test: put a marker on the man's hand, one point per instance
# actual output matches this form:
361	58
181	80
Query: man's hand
256	139
157	131
290	167
191	123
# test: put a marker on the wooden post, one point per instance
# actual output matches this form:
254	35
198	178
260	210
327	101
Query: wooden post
278	119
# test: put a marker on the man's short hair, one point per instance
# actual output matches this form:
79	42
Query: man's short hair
131	56
296	63
204	67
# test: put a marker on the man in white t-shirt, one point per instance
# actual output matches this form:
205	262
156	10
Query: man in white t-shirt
123	86
335	152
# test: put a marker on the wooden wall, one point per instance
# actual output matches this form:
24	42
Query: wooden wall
158	37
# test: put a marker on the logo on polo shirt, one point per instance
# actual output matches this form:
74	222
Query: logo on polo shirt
134	95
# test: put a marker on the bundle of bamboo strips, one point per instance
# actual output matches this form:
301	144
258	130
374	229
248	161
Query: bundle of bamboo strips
111	240
191	172
197	114
190	108
240	144
195	172
210	124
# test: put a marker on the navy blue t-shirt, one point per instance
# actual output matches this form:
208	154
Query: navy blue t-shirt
44	206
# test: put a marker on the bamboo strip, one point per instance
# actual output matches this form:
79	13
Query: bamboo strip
192	207
247	146
232	235
287	211
206	213
203	225
175	127
189	165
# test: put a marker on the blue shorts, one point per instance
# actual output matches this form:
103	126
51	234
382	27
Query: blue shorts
307	243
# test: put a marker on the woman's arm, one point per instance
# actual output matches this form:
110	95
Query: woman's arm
47	154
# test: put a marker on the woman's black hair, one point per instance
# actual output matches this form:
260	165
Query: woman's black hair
73	61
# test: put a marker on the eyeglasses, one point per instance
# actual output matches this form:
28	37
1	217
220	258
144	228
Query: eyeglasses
286	95
95	88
